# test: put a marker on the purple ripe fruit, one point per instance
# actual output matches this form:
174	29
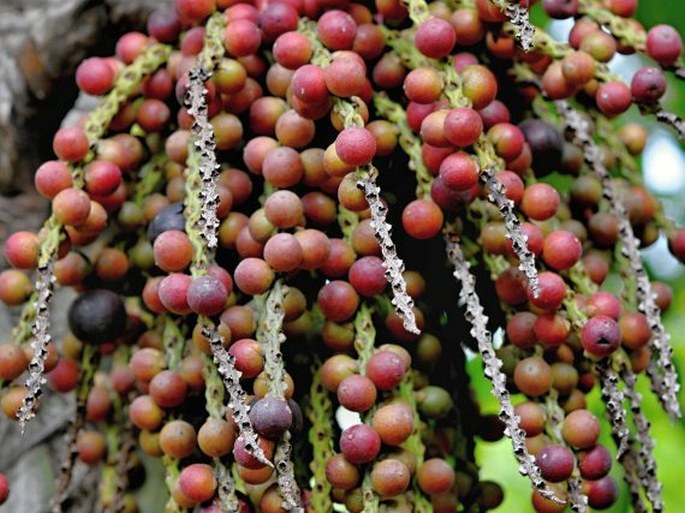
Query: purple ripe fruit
555	462
600	336
271	417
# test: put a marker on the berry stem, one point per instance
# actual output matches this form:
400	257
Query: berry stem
320	414
90	360
475	315
225	362
661	369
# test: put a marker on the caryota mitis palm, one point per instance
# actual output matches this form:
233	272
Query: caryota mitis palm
236	215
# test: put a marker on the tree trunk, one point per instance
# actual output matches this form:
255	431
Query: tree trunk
41	42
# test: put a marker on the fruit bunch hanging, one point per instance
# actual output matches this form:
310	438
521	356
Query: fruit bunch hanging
284	210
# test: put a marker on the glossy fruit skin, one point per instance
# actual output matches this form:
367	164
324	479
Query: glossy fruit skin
595	462
341	473
664	44
600	336
556	463
581	429
533	376
271	417
390	477
197	482
97	316
360	444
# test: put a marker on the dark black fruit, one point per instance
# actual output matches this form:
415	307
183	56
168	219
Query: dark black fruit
169	218
546	145
97	316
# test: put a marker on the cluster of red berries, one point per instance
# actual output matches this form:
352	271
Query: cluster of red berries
311	105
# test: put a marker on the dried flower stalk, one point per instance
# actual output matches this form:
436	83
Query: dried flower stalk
579	501
630	477
671	119
661	370
519	241
270	336
203	196
394	266
228	500
647	467
40	335
613	398
475	315
519	17
287	484
225	362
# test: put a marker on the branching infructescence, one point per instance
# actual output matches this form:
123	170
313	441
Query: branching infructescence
225	362
270	336
394	266
40	327
475	314
126	86
519	17
661	369
646	468
247	154
89	364
613	398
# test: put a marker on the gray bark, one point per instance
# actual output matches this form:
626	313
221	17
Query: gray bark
41	41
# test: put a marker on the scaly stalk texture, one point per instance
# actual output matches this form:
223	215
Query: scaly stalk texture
630	477
37	311
270	336
475	315
225	362
228	500
519	17
40	318
214	404
647	468
613	398
202	197
89	365
669	118
320	414
661	370
366	181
